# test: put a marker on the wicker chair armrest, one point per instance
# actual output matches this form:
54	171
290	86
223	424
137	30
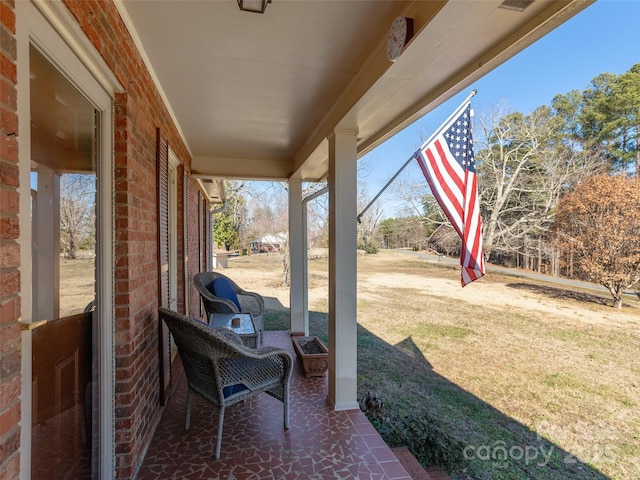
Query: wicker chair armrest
256	296
262	352
271	350
205	293
228	303
251	302
229	334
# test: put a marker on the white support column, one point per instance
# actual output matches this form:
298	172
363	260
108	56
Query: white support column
297	258
342	270
46	235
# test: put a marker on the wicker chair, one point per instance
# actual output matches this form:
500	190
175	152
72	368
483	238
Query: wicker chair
249	302
223	371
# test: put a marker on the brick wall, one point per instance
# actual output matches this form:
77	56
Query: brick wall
10	377
191	247
138	112
194	248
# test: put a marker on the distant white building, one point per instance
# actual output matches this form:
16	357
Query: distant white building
268	243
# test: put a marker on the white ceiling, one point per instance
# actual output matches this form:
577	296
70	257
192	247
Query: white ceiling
255	96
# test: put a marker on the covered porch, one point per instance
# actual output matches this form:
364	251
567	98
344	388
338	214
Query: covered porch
320	443
299	93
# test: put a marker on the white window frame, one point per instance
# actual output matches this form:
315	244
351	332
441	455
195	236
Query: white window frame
51	28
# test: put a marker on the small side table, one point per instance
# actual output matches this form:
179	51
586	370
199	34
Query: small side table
246	329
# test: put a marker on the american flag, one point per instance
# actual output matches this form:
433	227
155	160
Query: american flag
449	166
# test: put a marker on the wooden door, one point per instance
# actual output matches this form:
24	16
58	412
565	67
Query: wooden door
62	398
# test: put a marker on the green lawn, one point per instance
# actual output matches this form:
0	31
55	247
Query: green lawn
504	379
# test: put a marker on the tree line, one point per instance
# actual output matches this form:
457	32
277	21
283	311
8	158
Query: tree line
534	170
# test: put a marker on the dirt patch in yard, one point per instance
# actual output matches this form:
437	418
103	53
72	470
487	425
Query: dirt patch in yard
380	274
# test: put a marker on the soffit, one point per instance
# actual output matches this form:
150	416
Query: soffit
255	96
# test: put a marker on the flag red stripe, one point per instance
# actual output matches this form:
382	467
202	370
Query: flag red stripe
449	210
448	165
473	261
449	201
477	250
472	237
453	189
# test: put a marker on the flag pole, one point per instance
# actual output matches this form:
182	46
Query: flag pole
364	210
455	112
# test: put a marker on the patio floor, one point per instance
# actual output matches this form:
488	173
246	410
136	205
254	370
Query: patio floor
320	443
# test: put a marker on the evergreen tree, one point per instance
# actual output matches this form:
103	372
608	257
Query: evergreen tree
229	225
610	116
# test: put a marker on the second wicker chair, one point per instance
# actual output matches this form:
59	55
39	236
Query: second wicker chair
220	294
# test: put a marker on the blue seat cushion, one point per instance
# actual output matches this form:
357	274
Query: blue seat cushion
233	389
222	288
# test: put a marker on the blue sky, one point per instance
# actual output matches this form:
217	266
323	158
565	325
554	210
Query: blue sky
605	37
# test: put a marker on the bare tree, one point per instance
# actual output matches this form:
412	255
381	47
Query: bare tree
447	239
524	167
270	216
412	194
77	211
368	221
317	219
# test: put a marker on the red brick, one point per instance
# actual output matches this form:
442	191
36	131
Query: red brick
9	419
9	309
11	336
9	228
10	364
10	469
9	200
10	282
8	44
10	444
9	174
10	390
123	423
9	148
8	17
8	68
8	95
138	112
8	121
10	333
9	254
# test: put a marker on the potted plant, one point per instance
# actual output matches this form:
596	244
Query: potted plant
312	354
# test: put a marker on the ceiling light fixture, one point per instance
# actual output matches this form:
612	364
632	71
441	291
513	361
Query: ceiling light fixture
255	6
516	5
